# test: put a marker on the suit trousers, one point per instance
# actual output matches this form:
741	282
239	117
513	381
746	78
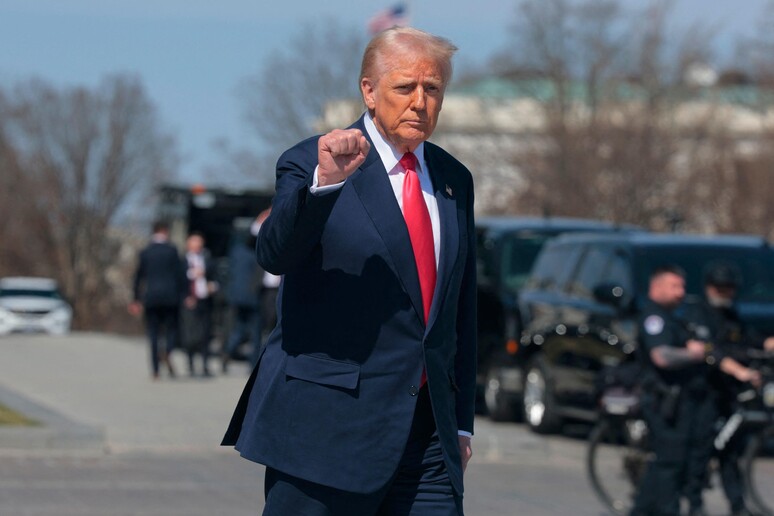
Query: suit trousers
157	317
419	487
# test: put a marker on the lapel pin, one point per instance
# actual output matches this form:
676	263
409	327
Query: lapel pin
448	190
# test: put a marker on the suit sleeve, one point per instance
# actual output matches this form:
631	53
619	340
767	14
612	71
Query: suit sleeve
297	218
139	275
465	361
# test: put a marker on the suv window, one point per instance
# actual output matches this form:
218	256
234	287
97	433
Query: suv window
554	267
591	271
519	253
756	266
485	260
619	271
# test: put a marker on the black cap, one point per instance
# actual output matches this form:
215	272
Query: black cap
722	275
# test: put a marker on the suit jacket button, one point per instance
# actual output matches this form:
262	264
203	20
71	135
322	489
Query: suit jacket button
413	390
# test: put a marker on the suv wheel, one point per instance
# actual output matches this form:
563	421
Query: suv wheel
539	406
498	405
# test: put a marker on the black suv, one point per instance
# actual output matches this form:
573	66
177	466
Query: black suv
507	248
580	307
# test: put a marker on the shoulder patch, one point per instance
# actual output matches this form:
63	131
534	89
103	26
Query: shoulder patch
654	325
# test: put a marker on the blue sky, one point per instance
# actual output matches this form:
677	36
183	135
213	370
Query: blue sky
191	54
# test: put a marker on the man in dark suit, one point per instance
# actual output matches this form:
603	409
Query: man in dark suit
363	399
159	287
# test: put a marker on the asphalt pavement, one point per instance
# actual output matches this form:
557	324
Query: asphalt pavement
116	443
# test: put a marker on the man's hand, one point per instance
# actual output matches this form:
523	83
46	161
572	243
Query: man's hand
696	349
466	450
745	374
768	344
135	308
339	153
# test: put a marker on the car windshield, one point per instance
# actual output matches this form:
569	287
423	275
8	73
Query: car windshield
755	267
28	292
519	254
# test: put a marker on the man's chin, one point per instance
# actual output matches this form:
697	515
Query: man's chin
411	138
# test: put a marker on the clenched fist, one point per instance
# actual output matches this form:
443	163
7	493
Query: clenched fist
339	153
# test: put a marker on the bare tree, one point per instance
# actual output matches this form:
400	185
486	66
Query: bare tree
82	155
610	82
318	64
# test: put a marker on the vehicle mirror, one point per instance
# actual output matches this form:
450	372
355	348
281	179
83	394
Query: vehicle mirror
610	294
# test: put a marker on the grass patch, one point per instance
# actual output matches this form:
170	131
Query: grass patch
10	417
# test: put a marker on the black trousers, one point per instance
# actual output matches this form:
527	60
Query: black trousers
156	318
420	486
197	322
682	448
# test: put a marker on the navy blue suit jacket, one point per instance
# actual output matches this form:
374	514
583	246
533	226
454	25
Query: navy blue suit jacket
332	398
244	277
159	280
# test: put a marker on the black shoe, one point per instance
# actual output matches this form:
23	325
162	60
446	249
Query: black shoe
207	373
744	511
697	512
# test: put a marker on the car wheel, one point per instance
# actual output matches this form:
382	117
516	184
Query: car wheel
539	406
499	405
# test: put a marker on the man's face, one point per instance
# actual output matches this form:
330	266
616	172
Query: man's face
721	296
406	99
667	289
195	243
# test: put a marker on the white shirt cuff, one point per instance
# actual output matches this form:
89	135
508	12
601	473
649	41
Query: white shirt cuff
464	433
314	189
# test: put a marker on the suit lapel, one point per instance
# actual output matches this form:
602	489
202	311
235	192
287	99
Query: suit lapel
447	212
375	191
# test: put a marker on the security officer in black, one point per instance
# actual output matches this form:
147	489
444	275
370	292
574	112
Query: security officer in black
676	403
717	317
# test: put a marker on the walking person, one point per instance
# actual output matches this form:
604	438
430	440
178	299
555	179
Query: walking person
242	293
159	287
362	402
197	309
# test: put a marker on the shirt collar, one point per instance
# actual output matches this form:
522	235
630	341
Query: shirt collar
389	155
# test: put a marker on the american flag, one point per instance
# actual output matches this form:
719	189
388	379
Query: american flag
395	16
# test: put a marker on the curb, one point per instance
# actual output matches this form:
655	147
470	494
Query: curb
56	432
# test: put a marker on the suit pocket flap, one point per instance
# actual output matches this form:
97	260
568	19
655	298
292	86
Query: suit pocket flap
323	371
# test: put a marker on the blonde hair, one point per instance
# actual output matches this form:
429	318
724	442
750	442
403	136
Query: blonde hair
409	40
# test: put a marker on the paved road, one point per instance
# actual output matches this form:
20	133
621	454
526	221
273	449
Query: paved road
160	455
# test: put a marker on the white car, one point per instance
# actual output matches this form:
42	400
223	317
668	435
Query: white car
33	304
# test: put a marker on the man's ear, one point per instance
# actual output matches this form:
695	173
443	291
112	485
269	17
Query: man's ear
368	90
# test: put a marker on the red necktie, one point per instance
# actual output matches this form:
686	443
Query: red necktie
420	230
421	234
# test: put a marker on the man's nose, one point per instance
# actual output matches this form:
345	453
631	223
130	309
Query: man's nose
418	99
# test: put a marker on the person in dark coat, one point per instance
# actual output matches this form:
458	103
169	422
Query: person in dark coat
159	287
243	293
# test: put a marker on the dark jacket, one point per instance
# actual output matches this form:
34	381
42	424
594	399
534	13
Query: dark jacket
333	396
159	280
244	277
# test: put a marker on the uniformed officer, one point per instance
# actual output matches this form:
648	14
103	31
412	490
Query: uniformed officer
677	402
717	316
